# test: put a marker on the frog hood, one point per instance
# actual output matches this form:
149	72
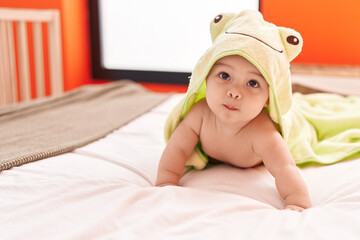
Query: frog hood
268	47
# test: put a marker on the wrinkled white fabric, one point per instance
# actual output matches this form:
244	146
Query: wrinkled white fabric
105	191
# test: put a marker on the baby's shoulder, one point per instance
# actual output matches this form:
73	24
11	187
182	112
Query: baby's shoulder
197	112
263	132
202	104
199	107
195	117
262	124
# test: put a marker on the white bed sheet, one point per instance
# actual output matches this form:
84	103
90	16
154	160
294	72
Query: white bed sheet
105	191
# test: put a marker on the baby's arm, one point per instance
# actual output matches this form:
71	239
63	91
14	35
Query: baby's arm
180	146
280	163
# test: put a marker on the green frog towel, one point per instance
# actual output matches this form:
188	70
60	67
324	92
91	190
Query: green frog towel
318	128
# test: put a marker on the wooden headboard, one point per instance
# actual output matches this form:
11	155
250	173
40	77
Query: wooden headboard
30	59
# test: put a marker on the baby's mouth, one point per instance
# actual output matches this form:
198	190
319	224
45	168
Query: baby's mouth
231	108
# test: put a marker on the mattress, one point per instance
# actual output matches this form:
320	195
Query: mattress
105	190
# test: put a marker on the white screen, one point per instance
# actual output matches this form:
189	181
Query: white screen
159	35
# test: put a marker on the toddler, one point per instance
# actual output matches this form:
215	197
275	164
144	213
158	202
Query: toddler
232	122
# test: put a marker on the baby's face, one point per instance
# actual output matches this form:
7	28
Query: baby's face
236	91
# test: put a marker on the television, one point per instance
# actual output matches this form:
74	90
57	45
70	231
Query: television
153	41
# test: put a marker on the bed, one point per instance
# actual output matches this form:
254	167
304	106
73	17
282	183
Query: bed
102	186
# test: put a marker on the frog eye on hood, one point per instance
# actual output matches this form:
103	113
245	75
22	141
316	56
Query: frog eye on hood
292	42
218	18
218	23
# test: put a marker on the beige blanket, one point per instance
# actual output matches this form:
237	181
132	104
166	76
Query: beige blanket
48	127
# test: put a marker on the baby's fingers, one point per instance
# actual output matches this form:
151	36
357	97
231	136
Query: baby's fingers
294	208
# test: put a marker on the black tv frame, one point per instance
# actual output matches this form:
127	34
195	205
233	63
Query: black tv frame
99	72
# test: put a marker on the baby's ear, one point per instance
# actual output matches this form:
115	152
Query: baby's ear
218	24
292	42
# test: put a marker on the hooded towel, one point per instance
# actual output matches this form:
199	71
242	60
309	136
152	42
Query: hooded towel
318	128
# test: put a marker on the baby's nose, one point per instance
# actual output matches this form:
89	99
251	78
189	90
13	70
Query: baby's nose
233	94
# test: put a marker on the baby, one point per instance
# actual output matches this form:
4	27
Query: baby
238	92
233	127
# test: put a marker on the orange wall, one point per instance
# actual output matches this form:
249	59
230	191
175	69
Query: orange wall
77	39
330	28
75	36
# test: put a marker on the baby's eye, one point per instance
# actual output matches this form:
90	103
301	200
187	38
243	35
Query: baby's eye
224	75
253	83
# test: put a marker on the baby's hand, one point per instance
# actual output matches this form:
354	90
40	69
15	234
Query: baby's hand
166	184
294	208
